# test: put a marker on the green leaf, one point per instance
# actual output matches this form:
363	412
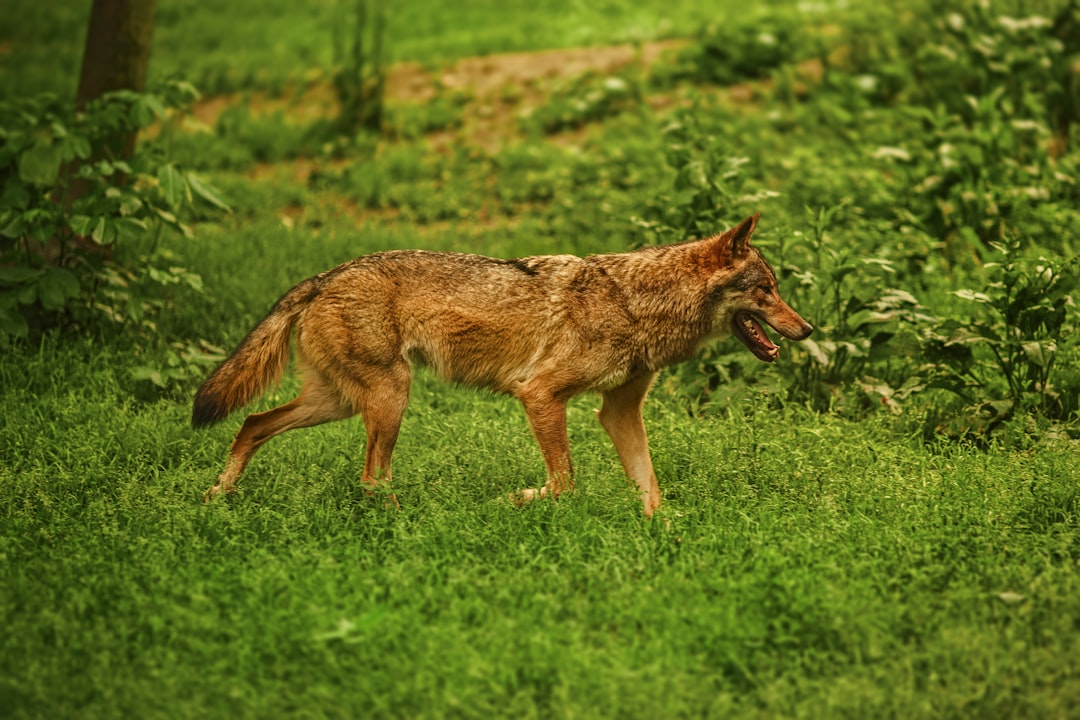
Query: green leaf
972	295
15	195
12	323
130	203
98	231
207	192
40	164
144	372
12	225
815	351
76	146
56	287
173	185
145	110
167	216
81	225
976	333
18	275
128	228
1039	353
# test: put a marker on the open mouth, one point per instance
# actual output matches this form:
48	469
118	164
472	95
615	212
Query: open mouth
745	327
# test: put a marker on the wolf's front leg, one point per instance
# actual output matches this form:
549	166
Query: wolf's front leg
547	418
621	417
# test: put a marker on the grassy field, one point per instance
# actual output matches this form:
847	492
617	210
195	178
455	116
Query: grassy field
813	567
842	534
226	48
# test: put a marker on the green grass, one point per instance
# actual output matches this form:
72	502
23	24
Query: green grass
805	565
850	563
265	43
813	567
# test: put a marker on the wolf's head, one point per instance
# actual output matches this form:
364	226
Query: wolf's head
746	295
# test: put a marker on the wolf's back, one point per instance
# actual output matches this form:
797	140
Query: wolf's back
258	362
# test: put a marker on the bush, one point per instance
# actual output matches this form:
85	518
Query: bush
66	205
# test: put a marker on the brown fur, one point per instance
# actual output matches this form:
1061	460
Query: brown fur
542	329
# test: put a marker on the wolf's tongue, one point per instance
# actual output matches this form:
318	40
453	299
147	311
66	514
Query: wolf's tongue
754	329
754	337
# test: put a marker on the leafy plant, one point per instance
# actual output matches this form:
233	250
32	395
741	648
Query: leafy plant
743	46
66	205
585	99
359	76
1000	357
710	184
182	361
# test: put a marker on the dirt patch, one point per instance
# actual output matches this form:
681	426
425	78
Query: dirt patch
498	90
486	75
510	77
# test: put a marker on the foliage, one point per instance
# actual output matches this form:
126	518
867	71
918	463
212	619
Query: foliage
66	205
977	174
746	44
1000	358
584	99
359	77
881	524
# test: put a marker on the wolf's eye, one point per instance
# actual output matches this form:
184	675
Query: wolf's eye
767	289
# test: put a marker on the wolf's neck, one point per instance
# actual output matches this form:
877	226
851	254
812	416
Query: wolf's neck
668	299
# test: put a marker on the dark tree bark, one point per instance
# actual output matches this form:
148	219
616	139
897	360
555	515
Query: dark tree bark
116	55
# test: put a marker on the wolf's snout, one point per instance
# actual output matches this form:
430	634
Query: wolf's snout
795	328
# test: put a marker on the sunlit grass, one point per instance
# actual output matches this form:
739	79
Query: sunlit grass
803	565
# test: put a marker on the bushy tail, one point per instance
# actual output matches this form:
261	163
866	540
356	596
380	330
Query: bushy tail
257	363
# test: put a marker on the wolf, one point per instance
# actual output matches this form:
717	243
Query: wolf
541	329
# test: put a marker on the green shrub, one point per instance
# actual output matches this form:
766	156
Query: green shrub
67	206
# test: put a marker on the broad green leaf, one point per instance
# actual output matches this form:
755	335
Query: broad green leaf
12	225
166	216
81	225
76	146
56	287
12	323
173	186
17	275
40	164
134	309
974	334
207	192
130	203
128	228
1039	353
144	372
15	195
98	231
144	110
972	295
815	351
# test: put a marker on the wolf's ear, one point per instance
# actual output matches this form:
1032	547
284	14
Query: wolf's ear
740	236
735	243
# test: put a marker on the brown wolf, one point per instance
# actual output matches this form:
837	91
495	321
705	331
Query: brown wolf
542	329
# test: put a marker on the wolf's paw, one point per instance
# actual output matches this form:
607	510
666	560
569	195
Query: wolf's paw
526	496
215	490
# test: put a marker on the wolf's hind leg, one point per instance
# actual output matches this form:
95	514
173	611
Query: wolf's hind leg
382	404
317	403
547	418
621	417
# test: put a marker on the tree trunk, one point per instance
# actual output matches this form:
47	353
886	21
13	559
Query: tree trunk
116	56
